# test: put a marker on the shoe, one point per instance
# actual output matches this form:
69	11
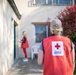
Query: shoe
25	60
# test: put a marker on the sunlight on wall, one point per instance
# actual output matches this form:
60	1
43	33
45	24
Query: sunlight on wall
1	37
6	37
8	45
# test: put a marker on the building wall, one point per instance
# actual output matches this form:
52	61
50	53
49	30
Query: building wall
6	36
1	36
34	14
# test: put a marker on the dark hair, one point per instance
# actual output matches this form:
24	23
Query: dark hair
23	32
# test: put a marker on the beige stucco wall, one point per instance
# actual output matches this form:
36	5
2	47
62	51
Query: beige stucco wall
1	36
34	14
6	36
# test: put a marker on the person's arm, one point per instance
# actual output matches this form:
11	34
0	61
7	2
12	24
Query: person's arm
73	57
40	55
21	40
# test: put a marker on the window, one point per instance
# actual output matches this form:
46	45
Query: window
53	2
40	32
64	2
40	1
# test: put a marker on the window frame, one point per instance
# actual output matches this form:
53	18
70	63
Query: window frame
40	24
53	3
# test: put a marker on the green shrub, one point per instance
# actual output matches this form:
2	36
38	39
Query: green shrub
68	18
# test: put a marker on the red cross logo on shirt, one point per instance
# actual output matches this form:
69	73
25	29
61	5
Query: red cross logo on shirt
57	46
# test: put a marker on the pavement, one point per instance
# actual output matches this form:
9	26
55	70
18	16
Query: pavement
26	68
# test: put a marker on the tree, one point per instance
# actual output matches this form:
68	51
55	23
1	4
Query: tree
68	18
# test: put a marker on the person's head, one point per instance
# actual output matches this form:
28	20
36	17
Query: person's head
24	33
56	27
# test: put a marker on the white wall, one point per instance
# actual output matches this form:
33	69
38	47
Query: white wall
34	14
6	36
1	36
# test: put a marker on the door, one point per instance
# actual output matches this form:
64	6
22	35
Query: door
14	41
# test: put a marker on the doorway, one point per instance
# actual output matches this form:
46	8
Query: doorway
15	24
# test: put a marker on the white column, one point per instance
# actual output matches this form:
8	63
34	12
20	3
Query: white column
46	1
34	1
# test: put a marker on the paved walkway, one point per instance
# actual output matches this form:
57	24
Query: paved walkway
26	68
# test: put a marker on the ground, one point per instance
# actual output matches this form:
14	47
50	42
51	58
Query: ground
25	68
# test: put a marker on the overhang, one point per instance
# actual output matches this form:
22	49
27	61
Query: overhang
14	7
39	23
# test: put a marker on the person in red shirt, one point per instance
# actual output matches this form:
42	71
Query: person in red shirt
24	45
56	52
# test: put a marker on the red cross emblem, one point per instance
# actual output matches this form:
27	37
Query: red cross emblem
57	46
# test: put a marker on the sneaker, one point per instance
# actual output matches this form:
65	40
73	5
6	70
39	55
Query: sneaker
25	60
